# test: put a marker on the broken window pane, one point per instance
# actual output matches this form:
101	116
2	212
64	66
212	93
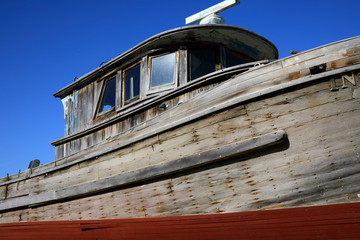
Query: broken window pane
132	82
108	100
162	70
233	59
202	62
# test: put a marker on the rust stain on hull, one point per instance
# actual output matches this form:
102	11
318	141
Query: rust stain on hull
294	75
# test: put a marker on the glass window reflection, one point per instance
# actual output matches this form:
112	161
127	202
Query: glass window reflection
132	82
108	100
162	70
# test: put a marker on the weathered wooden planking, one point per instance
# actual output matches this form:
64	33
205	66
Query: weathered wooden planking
113	169
323	222
144	153
147	173
331	109
303	57
303	175
307	112
329	54
269	86
190	116
168	145
84	113
83	146
153	100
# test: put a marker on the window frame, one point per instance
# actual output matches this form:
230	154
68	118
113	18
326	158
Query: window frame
182	74
123	84
101	97
218	56
174	84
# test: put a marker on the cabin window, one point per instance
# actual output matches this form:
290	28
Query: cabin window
163	70
109	95
233	59
131	83
202	62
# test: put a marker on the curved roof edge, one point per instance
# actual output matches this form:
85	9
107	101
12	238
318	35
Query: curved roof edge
234	37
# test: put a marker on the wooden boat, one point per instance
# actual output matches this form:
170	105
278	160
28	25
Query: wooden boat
201	133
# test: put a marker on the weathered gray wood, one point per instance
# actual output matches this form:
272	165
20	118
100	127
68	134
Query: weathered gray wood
204	112
303	63
147	173
318	167
183	66
143	104
145	77
118	103
204	108
239	186
84	108
98	85
132	158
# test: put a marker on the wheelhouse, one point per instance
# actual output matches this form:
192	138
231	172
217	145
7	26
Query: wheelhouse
158	69
159	72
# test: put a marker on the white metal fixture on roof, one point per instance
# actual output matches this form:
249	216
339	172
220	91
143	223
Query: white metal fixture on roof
211	10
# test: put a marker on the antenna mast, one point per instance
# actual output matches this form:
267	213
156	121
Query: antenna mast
211	11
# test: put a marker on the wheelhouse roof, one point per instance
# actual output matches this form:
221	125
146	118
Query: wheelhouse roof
232	37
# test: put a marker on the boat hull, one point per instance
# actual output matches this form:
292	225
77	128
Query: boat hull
341	221
279	136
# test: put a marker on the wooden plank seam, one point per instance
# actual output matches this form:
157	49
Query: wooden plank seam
147	173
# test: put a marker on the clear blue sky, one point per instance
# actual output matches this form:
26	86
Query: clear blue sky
44	44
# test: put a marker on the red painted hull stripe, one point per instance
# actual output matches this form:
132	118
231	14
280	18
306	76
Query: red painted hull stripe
340	221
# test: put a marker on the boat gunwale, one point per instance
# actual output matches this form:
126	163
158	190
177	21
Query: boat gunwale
276	88
167	168
153	100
